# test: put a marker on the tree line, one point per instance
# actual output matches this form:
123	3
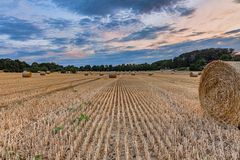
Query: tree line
193	61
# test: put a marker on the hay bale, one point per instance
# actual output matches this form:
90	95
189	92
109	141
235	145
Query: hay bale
112	75
219	91
101	74
42	73
193	74
199	73
86	74
133	74
63	72
48	72
26	74
150	74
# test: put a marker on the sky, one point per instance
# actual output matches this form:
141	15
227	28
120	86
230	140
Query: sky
81	32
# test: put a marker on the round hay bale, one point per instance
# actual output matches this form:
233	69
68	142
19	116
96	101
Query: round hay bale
150	74
112	75
86	74
101	74
193	74
42	73
219	91
199	73
48	72
26	74
133	74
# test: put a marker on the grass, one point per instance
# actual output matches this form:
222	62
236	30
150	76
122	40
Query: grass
38	157
58	129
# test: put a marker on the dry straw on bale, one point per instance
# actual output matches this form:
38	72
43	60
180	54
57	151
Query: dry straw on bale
26	74
193	74
112	75
219	91
42	73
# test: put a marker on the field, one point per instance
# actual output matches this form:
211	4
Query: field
72	116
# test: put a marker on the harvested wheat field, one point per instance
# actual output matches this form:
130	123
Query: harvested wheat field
72	116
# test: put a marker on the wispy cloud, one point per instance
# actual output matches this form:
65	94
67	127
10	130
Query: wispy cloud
146	33
104	7
18	29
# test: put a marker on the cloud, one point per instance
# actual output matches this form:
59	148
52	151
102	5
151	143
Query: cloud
18	29
233	31
104	7
58	23
146	33
60	41
196	34
114	24
186	11
86	22
28	53
82	39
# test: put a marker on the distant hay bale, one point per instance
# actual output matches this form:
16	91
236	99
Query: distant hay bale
199	73
86	74
219	91
42	73
48	72
101	74
112	75
150	74
133	74
63	72
26	74
193	74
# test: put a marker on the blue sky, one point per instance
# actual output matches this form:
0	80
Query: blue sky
81	32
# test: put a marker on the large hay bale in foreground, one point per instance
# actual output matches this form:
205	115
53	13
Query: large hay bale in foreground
112	75
193	74
26	74
219	91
